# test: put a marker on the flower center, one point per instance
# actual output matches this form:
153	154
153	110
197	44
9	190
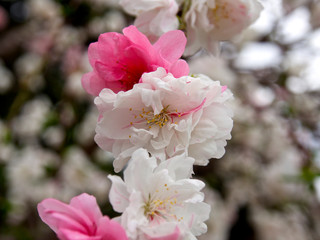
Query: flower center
220	12
226	13
132	73
150	119
159	119
157	208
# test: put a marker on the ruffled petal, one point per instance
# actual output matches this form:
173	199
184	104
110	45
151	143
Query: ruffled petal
133	34
140	171
92	83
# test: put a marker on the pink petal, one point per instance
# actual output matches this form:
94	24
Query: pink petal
111	46
223	88
111	230
67	234
92	83
88	205
133	34
171	45
179	68
54	212
61	220
108	72
108	48
93	53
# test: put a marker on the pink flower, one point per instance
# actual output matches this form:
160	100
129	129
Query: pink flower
81	219
119	61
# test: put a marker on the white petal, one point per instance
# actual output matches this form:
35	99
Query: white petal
179	167
118	195
140	171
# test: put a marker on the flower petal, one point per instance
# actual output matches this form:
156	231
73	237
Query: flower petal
92	83
134	35
118	195
171	45
88	205
110	230
67	234
179	68
140	170
161	232
57	214
179	167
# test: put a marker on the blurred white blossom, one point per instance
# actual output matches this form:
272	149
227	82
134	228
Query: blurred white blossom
31	119
211	21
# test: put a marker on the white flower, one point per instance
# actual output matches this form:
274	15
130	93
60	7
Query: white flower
26	172
159	201
153	17
167	116
211	21
29	123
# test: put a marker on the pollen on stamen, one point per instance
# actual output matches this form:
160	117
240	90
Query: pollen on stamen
130	109
129	136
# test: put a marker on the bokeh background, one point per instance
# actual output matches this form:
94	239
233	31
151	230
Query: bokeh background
266	187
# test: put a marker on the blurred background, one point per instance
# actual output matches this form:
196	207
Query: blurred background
267	186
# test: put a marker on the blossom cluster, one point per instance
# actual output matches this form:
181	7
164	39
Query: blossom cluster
47	120
206	22
157	121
